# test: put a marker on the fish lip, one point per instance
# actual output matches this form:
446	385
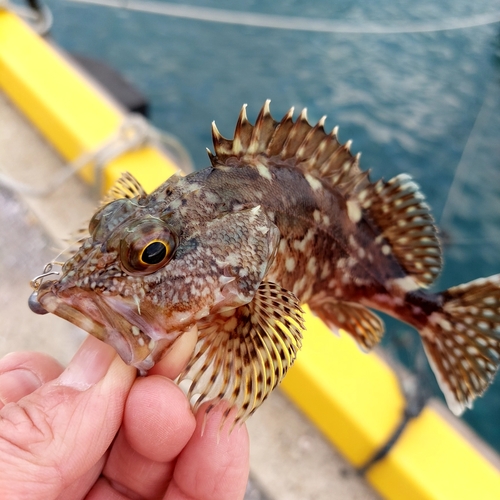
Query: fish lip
56	301
108	319
50	299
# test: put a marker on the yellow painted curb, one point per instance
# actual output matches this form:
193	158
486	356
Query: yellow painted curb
352	397
69	112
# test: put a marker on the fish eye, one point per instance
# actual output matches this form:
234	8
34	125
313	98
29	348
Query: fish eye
154	252
147	246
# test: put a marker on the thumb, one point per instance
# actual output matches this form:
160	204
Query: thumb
56	434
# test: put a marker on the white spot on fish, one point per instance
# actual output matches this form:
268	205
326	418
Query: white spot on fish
483	325
351	261
231	259
407	284
317	215
135	330
301	245
210	196
174	205
282	246
362	195
290	264
386	249
481	341
264	171
445	324
313	182
353	211
311	265
325	271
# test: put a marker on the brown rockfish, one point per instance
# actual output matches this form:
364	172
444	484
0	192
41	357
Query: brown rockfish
283	216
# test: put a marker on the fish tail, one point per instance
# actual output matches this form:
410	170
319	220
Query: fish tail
462	340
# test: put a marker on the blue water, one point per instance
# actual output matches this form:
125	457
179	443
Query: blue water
427	104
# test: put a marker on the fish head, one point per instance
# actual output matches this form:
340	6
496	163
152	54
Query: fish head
145	275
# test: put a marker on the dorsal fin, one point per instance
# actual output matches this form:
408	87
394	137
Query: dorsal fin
407	226
310	148
127	186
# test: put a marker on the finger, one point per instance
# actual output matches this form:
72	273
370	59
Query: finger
56	434
172	364
158	420
157	424
103	490
215	463
79	487
131	474
21	373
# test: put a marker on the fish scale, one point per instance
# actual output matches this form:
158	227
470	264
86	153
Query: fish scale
283	216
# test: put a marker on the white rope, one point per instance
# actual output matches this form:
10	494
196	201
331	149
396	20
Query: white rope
132	134
294	22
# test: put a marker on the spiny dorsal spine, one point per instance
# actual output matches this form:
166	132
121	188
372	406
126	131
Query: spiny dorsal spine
310	147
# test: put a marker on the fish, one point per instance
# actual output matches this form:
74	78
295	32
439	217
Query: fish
283	216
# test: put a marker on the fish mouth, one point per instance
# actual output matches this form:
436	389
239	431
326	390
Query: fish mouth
137	342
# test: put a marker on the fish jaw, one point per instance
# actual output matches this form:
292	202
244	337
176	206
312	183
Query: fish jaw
138	343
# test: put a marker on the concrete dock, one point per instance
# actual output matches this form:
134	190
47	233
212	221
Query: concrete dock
290	459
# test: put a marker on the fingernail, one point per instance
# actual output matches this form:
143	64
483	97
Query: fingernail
88	366
16	384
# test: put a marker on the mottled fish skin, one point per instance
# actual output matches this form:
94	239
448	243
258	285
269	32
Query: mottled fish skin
282	217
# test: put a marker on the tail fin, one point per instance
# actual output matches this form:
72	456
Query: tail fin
462	341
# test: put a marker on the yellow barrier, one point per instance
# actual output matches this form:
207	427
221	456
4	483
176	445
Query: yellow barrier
352	397
69	112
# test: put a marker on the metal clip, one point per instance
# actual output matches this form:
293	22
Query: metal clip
47	271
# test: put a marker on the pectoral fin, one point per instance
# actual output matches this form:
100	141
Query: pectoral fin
243	354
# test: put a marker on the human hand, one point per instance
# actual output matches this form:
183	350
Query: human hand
95	431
